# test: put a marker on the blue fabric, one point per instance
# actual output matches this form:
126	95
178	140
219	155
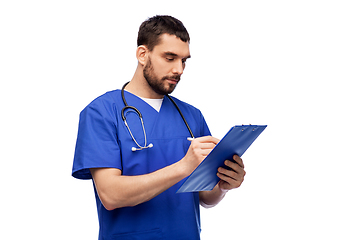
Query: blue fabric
104	142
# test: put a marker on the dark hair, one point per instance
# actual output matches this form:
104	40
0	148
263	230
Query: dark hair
151	30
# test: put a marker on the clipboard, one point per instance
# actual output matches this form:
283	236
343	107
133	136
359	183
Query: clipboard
236	141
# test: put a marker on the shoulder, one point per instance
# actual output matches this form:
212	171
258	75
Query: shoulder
194	117
106	100
188	110
185	105
108	97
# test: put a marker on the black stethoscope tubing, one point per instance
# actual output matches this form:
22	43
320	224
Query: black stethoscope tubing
140	116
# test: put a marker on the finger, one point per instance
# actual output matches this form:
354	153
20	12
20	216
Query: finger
231	182
207	145
239	176
233	165
228	173
196	143
203	148
205	152
239	161
209	139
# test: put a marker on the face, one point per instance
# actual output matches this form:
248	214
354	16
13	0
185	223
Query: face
166	63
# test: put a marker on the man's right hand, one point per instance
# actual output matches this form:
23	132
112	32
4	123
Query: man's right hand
197	152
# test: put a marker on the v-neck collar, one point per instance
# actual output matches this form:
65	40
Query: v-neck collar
147	101
158	125
155	103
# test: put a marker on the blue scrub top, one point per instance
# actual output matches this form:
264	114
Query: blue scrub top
104	142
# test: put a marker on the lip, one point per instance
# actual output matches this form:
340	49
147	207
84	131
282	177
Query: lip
173	81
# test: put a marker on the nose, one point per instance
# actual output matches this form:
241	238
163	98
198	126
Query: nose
178	67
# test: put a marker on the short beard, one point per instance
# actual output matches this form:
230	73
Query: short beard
158	85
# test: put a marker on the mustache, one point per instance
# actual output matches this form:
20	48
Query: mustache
175	77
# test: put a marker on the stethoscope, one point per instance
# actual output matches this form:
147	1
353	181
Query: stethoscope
134	109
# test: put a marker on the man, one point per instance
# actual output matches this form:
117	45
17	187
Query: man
135	186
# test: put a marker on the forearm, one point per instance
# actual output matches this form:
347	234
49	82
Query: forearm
116	190
125	191
211	198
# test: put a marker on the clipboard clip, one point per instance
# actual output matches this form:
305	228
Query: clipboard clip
248	125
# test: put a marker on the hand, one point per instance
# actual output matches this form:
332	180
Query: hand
230	179
198	150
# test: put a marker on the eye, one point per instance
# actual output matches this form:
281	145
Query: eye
170	59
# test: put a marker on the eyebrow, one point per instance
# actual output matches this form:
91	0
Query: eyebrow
175	55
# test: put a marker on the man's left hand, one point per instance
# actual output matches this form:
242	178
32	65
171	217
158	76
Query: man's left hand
233	177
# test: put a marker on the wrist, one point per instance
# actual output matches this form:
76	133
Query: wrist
183	168
187	166
222	190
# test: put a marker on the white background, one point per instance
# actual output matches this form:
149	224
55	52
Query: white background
293	65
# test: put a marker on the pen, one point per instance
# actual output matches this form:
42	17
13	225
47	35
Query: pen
190	139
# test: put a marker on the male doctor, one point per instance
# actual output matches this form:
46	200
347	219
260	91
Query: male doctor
136	190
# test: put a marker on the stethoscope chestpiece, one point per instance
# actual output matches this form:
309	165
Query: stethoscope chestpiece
134	149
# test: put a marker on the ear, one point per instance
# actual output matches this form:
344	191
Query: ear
142	54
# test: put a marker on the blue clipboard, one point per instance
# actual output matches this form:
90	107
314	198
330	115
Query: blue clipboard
236	141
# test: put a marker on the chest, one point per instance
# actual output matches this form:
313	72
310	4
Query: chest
164	130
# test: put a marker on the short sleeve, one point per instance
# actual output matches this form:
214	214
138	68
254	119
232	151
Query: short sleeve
204	127
97	143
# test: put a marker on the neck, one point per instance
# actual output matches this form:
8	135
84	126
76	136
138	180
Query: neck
139	86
